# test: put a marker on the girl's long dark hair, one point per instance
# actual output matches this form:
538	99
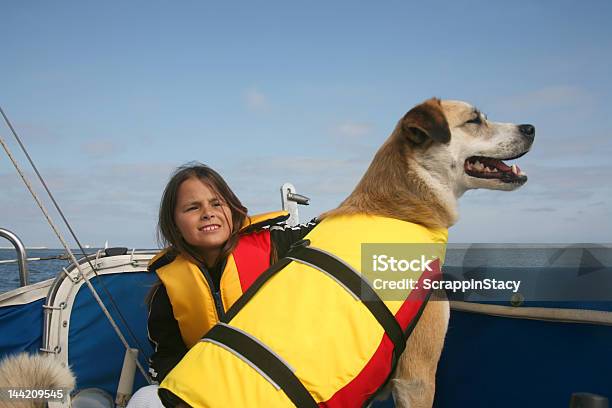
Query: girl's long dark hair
168	235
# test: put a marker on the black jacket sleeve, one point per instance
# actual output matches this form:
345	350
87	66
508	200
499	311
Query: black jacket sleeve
283	235
164	335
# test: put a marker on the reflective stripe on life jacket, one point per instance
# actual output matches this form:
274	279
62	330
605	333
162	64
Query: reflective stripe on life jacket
195	304
337	348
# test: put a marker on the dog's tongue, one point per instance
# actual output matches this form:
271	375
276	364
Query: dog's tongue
501	165
515	169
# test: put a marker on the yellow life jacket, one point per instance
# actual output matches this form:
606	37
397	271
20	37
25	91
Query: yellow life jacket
195	305
301	335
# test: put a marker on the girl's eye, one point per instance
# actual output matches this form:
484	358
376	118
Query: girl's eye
191	208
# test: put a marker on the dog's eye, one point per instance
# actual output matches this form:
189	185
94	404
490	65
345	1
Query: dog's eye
476	121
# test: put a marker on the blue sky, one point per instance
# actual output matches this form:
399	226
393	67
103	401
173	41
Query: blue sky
109	97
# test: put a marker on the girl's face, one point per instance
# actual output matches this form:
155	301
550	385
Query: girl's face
203	218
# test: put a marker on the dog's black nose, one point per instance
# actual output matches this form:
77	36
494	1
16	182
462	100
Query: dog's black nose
527	131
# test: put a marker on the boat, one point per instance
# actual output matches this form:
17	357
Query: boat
497	352
548	345
61	317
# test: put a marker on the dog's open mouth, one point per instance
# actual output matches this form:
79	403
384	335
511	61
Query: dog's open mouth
490	168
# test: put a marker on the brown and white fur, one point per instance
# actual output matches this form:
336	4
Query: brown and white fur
418	175
35	372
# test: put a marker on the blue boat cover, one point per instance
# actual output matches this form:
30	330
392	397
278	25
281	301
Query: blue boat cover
21	328
491	361
95	352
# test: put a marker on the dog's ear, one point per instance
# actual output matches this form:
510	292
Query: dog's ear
425	121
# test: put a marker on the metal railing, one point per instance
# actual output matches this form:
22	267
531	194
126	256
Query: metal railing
24	277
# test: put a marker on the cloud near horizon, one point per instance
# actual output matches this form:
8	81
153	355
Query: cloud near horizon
99	148
352	130
550	98
256	101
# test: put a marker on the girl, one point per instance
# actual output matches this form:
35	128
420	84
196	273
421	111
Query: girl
214	252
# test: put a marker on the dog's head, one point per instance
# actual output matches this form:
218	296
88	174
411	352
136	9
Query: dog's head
438	150
460	148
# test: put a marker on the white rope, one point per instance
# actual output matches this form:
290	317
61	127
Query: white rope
71	255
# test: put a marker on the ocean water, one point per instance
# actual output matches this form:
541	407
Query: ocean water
38	270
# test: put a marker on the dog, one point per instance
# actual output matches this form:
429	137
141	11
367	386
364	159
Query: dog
438	151
33	372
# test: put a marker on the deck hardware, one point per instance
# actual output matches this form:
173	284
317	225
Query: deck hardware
517	300
24	278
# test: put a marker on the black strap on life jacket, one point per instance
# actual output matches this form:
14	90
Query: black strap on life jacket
267	361
355	283
264	360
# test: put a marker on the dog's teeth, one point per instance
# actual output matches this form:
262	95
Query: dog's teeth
515	169
495	170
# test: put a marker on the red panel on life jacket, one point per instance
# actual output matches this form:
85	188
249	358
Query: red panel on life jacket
356	392
252	257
